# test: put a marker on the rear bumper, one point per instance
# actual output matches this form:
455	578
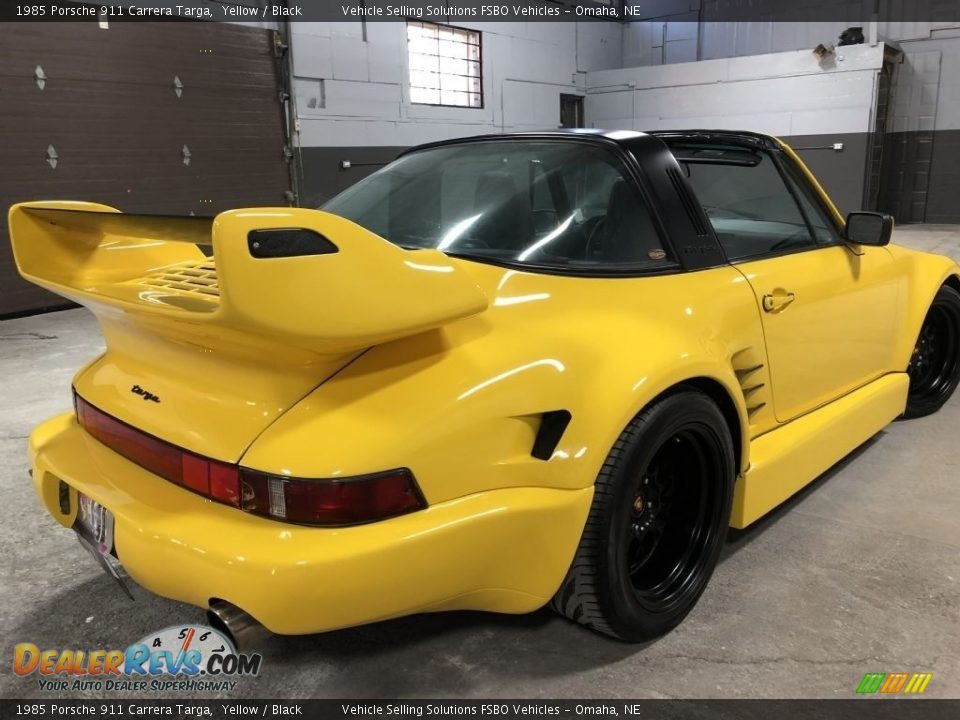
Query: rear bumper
502	550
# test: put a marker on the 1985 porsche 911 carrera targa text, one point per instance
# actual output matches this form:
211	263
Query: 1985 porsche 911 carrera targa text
499	373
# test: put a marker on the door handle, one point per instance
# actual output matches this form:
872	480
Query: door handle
777	300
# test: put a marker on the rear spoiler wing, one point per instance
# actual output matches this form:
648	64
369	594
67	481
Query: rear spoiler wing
290	276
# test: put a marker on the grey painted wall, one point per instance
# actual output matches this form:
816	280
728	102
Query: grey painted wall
842	174
352	84
323	176
352	97
363	114
920	178
924	185
668	31
931	195
943	198
786	94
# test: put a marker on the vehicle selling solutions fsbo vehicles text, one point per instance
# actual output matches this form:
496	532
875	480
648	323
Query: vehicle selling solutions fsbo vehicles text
445	11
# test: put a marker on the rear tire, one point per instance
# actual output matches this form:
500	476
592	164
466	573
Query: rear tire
660	512
934	367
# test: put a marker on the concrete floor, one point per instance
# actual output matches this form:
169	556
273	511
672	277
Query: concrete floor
860	572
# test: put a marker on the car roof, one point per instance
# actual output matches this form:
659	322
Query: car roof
625	138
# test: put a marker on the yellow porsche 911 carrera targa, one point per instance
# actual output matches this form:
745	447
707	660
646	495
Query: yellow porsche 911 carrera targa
501	372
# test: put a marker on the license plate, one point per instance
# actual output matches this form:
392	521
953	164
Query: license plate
94	528
94	524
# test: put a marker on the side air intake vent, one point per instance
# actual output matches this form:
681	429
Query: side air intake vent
288	242
552	426
754	381
693	212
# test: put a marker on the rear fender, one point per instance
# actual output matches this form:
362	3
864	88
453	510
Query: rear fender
461	406
922	276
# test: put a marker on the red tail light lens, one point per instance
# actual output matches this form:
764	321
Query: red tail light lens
330	502
345	501
211	478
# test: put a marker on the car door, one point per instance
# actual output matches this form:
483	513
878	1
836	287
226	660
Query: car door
827	308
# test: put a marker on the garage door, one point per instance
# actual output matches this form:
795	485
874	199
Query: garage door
170	118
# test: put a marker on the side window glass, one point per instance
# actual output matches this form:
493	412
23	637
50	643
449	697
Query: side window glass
746	200
824	231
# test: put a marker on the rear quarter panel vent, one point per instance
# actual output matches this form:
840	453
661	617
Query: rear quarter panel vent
552	426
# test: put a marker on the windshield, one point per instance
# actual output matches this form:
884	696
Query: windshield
555	204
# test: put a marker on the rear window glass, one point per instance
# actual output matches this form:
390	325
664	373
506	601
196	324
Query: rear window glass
538	204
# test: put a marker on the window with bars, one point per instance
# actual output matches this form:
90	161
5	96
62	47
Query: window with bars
445	65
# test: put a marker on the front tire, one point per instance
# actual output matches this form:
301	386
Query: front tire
660	511
934	367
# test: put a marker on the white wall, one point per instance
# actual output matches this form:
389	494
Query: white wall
364	99
948	96
675	35
353	92
780	93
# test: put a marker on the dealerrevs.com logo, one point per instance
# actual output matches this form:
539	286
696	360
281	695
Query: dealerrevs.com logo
188	658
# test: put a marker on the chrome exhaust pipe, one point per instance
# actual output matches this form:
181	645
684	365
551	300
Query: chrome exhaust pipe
241	627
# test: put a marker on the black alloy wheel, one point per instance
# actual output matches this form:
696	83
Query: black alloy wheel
934	368
670	518
656	527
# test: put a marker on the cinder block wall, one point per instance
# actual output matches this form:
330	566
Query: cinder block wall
353	102
920	177
353	98
789	95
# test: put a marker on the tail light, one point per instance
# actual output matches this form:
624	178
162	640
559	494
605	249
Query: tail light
330	502
211	478
344	501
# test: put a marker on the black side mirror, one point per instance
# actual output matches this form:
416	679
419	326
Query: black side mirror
869	228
